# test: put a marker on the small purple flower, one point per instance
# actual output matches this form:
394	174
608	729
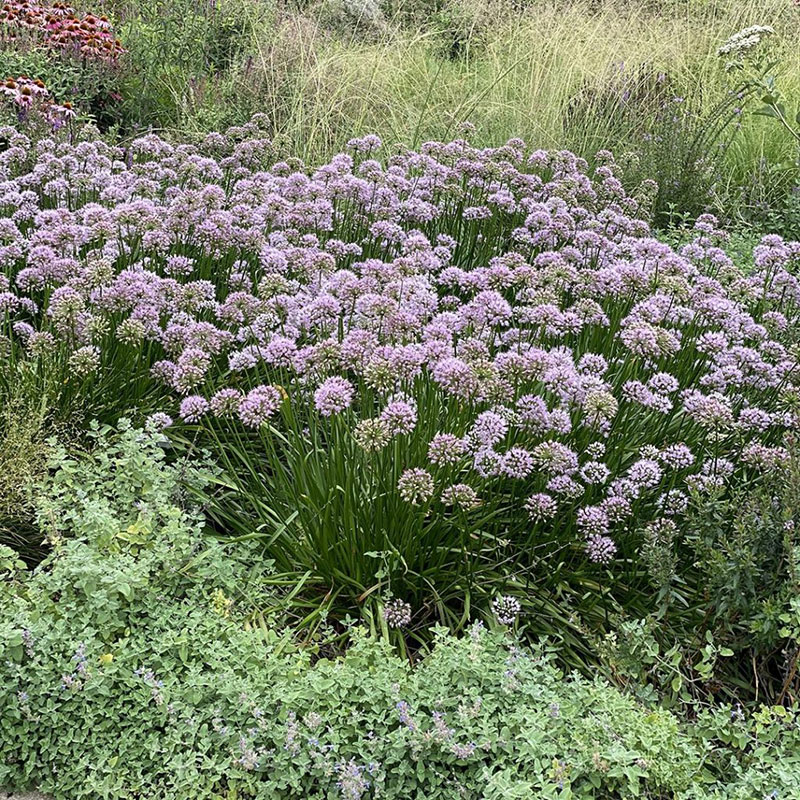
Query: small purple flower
600	549
258	405
193	408
333	396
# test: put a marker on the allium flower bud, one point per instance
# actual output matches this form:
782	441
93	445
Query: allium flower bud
397	613
84	361
506	609
416	486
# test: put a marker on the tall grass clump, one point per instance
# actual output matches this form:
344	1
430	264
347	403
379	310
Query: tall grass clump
325	72
426	380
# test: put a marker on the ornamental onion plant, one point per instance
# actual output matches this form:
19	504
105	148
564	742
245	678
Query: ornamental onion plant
432	378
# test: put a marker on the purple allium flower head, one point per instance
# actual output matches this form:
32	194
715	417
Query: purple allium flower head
592	520
460	495
397	613
646	473
193	408
517	463
225	402
600	549
541	507
595	473
333	396
445	449
258	405
158	421
400	415
489	428
677	456
416	486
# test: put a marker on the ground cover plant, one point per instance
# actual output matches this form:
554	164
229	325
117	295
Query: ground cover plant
132	666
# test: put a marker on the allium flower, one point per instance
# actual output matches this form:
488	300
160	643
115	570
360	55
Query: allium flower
600	407
158	421
754	419
461	496
517	463
372	435
400	415
225	402
710	411
541	507
663	383
595	450
677	456
506	609
131	331
416	486
555	458
617	508
600	549
566	486
84	361
765	458
673	503
397	613
333	396
487	463
593	364
258	405
445	449
40	343
592	520
645	473
489	428
594	473
193	408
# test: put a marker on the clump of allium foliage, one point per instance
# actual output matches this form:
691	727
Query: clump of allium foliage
450	374
128	668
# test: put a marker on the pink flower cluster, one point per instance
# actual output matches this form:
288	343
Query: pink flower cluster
27	95
582	375
60	27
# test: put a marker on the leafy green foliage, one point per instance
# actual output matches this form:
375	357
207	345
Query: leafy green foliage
128	668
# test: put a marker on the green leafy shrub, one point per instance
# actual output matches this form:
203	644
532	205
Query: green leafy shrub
739	638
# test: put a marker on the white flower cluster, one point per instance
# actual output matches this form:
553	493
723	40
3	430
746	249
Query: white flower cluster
741	43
